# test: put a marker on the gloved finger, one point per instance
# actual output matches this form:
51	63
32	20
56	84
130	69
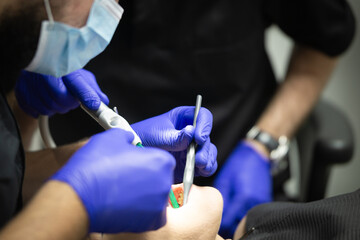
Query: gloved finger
41	100
212	165
49	107
202	155
28	91
223	182
64	103
62	98
112	137
57	99
45	94
93	83
203	126
205	173
176	140
205	159
235	209
181	117
224	185
25	107
21	94
78	85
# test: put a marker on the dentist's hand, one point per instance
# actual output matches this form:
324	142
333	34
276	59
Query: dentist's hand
39	94
123	188
173	131
244	181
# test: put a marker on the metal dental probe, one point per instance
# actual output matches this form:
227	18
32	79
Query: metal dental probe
190	157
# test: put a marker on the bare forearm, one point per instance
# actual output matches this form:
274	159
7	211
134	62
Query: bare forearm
308	73
56	212
41	165
27	124
241	229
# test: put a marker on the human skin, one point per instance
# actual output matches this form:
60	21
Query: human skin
56	210
56	213
24	18
71	12
308	72
40	165
241	229
198	219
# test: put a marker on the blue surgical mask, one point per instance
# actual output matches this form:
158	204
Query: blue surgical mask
63	49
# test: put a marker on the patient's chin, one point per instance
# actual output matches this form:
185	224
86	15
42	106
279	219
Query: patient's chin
198	219
210	195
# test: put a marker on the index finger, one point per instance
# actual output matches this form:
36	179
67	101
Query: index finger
204	124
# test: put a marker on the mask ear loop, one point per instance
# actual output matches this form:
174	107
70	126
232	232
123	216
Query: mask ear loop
48	11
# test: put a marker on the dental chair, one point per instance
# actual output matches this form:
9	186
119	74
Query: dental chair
324	140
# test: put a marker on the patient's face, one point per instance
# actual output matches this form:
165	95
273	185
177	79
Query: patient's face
199	219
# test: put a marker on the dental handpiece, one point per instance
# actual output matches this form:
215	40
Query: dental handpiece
109	118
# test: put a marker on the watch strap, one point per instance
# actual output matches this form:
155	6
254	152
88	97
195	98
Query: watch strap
263	137
278	148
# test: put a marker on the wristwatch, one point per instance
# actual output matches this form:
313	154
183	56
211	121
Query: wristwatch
278	148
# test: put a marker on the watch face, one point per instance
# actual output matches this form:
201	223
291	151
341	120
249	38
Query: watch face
282	150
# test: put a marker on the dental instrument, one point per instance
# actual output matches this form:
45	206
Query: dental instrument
104	115
190	156
109	118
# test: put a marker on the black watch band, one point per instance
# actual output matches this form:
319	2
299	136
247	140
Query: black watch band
278	148
264	138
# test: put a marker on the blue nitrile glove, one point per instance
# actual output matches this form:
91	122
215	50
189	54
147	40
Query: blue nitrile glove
39	94
123	188
173	131
244	181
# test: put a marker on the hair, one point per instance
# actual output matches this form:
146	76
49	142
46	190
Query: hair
19	34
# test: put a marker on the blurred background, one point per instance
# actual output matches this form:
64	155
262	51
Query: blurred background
342	91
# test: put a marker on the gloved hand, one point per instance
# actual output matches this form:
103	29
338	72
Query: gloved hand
244	181
46	95
123	188
173	131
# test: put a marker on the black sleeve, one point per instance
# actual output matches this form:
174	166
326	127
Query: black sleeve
11	164
326	25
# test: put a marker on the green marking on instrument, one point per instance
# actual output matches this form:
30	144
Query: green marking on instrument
173	201
139	145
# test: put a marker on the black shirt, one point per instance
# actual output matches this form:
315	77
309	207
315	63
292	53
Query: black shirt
165	52
333	218
11	164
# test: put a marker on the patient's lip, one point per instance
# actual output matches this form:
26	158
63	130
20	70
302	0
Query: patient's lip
178	191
